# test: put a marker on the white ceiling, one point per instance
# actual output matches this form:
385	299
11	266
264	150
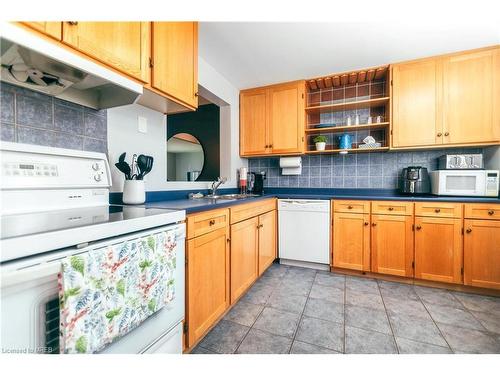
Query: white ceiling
253	54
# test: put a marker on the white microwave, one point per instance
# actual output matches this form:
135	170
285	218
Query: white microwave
480	183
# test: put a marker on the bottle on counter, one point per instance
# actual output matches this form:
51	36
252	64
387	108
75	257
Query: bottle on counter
243	180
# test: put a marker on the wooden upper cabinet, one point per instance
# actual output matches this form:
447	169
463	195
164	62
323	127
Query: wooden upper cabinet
267	240
438	249
124	46
482	253
471	86
254	123
52	29
392	245
287	116
272	120
416	112
175	61
351	241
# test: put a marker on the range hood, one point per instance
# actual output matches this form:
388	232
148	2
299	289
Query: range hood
35	63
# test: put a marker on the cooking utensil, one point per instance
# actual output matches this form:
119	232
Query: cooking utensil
142	163
123	166
149	165
133	166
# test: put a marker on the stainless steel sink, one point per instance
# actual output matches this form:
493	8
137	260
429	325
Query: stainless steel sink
230	196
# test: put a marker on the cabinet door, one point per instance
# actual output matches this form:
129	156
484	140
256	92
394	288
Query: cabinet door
392	245
482	253
351	241
207	282
53	29
175	60
253	123
287	116
416	98
244	256
471	97
124	46
267	240
438	249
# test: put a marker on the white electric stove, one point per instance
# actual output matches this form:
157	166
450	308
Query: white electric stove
54	204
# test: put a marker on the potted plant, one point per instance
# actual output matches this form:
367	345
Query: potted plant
320	141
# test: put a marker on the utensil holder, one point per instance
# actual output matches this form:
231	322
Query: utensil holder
134	192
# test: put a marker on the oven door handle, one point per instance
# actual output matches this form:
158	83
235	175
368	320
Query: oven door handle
28	274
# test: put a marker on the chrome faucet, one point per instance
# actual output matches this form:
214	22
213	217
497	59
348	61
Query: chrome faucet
216	184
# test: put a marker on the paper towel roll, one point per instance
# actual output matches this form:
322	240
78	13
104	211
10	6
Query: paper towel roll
291	162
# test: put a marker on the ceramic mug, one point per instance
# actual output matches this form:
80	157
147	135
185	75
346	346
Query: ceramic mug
345	141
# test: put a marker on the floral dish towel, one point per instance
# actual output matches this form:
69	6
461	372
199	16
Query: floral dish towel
106	292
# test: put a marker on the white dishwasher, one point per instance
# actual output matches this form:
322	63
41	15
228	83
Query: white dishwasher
304	232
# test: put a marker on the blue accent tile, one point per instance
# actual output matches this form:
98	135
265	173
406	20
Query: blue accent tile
337	182
376	170
376	158
8	132
293	181
306	160
326	182
96	145
390	182
34	110
349	170
362	182
303	182
95	126
338	160
305	171
315	161
404	158
34	136
264	162
273	182
283	181
274	162
315	182
68	119
362	170
74	142
326	171
274	172
363	159
338	171
420	157
326	160
314	171
350	159
253	163
350	182
7	106
376	182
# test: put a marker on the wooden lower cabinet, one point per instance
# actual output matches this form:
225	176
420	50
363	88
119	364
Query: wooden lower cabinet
351	241
438	249
267	240
482	253
392	245
207	282
244	255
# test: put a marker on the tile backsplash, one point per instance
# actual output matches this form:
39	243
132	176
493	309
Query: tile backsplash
377	170
31	117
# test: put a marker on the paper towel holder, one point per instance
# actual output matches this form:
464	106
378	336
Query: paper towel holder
291	166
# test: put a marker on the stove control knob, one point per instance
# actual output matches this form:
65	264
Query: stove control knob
97	177
96	166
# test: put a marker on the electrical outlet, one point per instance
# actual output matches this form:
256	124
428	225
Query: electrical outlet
142	124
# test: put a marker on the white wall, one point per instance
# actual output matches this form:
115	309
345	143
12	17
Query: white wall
124	136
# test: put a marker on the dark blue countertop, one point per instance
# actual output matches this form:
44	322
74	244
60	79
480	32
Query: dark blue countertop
197	205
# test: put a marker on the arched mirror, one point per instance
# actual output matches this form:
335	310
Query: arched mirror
185	158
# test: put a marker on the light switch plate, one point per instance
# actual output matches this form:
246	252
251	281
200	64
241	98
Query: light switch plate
142	124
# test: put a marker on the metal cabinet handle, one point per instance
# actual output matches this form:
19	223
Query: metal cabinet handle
437	210
468	230
367	223
271	145
491	212
439	134
73	23
446	134
374	224
196	94
418	227
391	208
211	222
350	207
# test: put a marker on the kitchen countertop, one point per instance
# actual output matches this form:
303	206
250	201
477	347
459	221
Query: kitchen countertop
197	205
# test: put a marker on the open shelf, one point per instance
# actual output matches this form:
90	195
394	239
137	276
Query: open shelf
335	129
369	103
337	150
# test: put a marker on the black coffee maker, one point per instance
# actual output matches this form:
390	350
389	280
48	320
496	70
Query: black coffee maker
256	182
415	180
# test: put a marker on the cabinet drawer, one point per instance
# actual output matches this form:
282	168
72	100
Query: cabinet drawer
359	207
206	222
247	210
482	211
392	208
438	209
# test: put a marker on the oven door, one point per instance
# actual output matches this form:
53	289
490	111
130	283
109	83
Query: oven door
30	303
459	182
